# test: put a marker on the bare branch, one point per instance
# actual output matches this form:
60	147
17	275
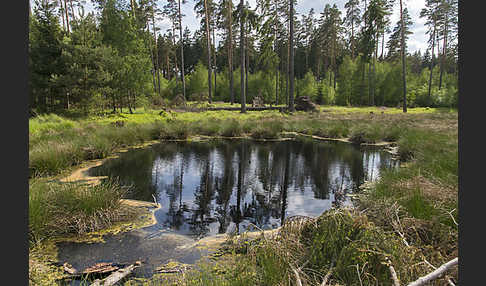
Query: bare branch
396	282
450	213
116	276
297	276
435	274
324	281
359	275
433	267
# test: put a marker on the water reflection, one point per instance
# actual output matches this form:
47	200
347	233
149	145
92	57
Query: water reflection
223	186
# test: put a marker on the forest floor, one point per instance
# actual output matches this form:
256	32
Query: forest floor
407	219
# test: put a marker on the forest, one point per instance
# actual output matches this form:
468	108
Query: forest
268	146
116	56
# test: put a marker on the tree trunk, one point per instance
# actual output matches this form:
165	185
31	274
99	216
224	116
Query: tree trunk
175	55
68	103
72	10
247	65
182	54
382	45
230	51
214	59
67	16
288	71
362	89
291	44
431	67
352	34
374	71
167	63
403	60
114	103
438	46
62	16
444	52
156	53
334	78
152	58
242	60
208	42
129	103
132	5
275	51
330	77
276	86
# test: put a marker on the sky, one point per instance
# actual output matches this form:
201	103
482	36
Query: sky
417	41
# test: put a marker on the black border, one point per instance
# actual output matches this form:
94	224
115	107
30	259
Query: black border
471	86
15	137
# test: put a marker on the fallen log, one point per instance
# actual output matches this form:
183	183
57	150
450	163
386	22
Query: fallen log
116	276
248	108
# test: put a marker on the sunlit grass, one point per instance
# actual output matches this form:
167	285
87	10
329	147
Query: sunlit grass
63	208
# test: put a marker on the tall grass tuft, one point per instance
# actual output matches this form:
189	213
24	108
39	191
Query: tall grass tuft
267	130
48	158
175	130
61	208
231	128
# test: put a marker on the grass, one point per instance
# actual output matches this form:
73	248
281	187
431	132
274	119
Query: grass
56	143
72	208
419	199
340	239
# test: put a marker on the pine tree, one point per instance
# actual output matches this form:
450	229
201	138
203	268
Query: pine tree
204	8
352	19
394	42
431	13
291	58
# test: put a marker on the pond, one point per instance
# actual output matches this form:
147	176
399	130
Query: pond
222	186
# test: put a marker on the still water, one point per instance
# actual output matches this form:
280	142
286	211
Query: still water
220	186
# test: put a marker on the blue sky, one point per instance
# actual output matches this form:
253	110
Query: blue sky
417	41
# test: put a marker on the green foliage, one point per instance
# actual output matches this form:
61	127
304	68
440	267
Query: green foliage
197	82
345	81
326	93
308	87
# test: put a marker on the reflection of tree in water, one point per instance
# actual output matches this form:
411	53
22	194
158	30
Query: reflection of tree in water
203	195
285	186
266	177
224	188
175	215
235	211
